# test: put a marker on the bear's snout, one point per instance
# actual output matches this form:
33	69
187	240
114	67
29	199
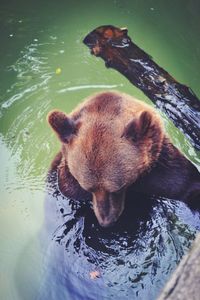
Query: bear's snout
108	207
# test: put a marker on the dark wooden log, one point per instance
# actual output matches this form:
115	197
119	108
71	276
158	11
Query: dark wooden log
184	284
178	101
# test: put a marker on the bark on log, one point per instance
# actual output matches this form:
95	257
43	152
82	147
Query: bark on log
184	284
178	101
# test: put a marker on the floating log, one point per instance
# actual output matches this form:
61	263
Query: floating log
176	100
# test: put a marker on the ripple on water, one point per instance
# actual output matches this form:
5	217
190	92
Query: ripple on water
32	72
133	259
23	114
94	86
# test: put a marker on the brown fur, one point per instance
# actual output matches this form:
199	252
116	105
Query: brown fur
112	142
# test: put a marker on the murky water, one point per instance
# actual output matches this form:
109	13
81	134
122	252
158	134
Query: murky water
50	246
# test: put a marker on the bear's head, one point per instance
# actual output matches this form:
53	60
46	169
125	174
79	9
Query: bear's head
108	143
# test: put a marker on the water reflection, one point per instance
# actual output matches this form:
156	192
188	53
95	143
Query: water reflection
133	259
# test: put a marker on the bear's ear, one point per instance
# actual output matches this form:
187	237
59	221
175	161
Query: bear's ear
140	127
62	125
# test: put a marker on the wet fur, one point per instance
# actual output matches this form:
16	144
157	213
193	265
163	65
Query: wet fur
113	143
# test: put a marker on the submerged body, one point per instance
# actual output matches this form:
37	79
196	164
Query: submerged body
113	143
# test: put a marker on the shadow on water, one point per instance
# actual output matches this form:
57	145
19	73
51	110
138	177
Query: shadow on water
132	259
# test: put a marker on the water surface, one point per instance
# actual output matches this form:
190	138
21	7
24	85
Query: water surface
37	38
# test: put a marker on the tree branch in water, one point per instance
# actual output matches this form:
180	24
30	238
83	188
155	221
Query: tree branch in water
176	100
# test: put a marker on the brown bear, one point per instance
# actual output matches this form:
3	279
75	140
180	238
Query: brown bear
113	142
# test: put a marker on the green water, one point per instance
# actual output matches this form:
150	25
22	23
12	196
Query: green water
37	38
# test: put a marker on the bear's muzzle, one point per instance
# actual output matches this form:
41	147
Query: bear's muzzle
108	207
